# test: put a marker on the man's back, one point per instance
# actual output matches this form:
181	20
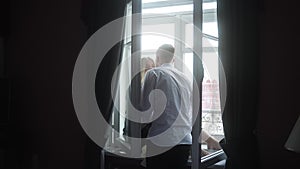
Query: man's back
174	125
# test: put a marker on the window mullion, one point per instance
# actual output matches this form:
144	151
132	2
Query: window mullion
198	75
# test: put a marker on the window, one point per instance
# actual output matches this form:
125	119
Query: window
166	26
160	26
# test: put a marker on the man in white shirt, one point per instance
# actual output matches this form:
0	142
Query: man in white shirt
171	128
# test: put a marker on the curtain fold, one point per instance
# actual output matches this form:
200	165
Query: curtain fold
95	14
239	53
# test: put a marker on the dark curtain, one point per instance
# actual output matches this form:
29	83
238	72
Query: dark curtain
95	14
239	53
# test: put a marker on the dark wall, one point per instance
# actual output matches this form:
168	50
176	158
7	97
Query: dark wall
4	29
279	82
44	40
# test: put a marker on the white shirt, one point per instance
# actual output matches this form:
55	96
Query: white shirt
174	125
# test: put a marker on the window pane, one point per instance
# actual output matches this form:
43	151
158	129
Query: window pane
211	111
155	35
169	7
208	28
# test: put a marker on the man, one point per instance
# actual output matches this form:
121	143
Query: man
170	131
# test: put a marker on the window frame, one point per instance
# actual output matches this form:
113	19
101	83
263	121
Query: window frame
136	26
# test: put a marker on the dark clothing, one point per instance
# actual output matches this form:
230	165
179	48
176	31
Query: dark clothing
175	158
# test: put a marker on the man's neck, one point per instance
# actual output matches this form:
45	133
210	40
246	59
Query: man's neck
167	64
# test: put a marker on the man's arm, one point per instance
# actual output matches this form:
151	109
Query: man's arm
147	86
212	143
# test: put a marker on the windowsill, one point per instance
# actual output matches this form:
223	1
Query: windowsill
210	159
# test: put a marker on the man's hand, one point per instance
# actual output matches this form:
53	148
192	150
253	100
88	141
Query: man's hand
204	153
212	143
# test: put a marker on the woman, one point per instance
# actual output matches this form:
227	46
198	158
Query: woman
147	63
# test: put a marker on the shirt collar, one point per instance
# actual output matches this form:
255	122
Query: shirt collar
167	65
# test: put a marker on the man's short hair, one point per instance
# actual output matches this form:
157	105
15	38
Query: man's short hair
166	52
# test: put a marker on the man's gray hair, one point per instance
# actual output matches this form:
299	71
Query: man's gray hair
166	52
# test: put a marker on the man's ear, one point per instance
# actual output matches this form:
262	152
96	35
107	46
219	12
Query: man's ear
157	61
